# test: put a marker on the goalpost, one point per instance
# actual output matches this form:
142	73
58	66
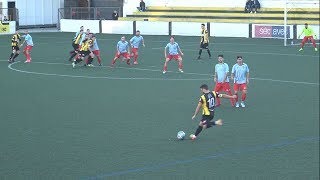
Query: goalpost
302	7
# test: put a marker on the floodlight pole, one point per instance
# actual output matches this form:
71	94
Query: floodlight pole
285	22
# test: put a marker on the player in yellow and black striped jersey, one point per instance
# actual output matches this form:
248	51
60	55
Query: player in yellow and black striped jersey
207	103
85	52
204	42
15	47
75	44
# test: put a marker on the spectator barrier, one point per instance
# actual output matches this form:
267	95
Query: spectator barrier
184	28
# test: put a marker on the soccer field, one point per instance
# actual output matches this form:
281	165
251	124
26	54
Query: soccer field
102	123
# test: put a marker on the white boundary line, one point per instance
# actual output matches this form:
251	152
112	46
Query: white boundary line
244	52
144	78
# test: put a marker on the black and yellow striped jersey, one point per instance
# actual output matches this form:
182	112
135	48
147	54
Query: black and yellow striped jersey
78	38
208	101
15	40
204	36
86	44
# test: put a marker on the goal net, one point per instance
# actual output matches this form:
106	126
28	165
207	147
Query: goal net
296	14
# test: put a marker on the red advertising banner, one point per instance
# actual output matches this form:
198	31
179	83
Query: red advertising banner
263	31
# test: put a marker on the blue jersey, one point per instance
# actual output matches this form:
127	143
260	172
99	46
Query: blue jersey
122	46
173	48
28	40
222	70
240	73
95	46
136	41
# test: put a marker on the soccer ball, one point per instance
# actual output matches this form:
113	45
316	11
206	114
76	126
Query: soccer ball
181	135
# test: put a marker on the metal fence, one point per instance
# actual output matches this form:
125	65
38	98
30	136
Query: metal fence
12	14
86	13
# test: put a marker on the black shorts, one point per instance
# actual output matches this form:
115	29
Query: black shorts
204	45
206	119
75	46
84	53
15	48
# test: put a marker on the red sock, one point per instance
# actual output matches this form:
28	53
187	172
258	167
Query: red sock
218	101
87	60
313	43
180	66
237	98
136	58
113	61
244	96
28	57
99	59
302	43
128	61
164	68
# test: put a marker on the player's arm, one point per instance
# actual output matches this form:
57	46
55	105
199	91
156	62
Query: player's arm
118	50
247	75
197	109
247	78
180	50
13	39
131	41
143	43
165	52
301	33
206	37
215	76
232	73
313	34
128	49
22	43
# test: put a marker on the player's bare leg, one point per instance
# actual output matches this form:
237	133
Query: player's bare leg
114	61
237	98
203	125
99	60
89	60
13	56
180	65
228	92
27	55
135	56
165	66
77	60
243	98
306	39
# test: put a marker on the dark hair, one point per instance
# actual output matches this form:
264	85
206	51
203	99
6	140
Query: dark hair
203	25
137	31
306	24
171	37
220	55
239	57
204	86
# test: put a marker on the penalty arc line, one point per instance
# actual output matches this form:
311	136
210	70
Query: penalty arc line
144	78
205	158
96	77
